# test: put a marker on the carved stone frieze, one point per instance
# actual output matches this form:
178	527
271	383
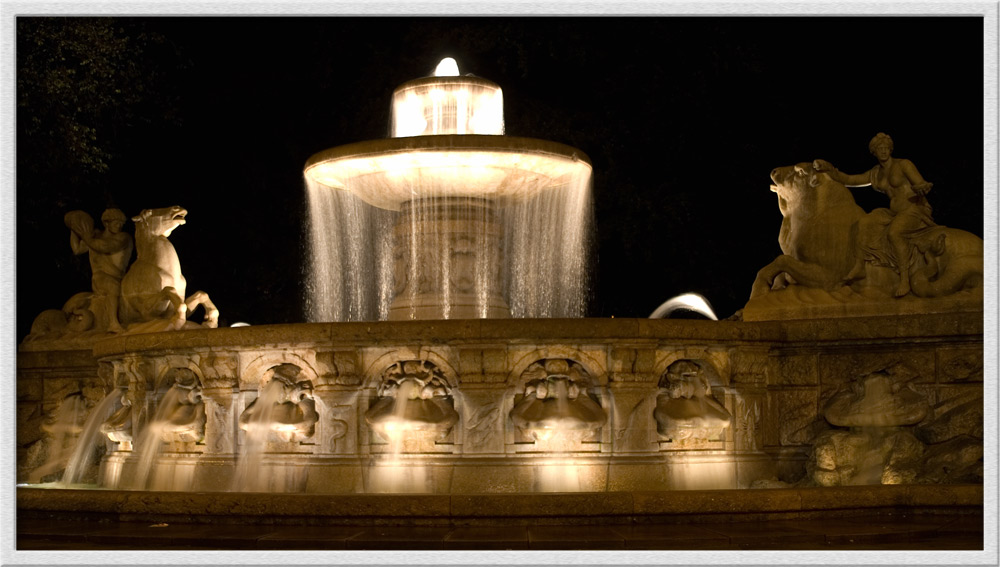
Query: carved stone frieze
749	422
220	370
960	365
880	399
557	402
285	407
414	399
685	407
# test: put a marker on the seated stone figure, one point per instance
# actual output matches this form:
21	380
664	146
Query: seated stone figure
834	252
147	297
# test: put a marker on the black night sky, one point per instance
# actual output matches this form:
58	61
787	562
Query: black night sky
683	119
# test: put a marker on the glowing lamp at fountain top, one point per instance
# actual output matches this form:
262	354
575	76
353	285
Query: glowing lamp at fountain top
447	103
448	67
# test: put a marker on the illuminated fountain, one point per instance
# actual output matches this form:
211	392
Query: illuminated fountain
449	218
447	352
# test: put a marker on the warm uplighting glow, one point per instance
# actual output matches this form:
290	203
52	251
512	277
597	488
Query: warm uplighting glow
448	67
447	105
389	179
703	474
687	301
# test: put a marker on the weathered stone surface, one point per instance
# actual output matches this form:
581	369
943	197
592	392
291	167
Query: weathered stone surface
880	399
796	370
541	505
633	425
219	370
29	389
751	366
958	460
794	411
962	420
29	423
219	419
960	364
748	420
483	414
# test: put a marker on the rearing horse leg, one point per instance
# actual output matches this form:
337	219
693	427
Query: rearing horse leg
178	308
211	312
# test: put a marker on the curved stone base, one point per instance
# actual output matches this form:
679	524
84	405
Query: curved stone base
499	509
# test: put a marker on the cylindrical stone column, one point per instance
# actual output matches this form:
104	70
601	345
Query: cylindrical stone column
448	255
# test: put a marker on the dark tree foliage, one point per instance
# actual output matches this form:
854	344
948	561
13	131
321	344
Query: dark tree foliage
80	83
88	91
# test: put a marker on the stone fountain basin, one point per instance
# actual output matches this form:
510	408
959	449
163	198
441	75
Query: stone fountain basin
762	364
387	173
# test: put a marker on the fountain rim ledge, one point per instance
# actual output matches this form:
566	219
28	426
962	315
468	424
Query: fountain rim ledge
581	331
190	506
431	80
449	142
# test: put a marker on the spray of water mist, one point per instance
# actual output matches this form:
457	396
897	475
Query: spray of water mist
63	429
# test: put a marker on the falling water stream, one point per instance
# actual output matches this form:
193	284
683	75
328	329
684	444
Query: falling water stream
151	442
90	437
390	473
252	475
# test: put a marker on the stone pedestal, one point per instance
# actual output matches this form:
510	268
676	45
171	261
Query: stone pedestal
448	256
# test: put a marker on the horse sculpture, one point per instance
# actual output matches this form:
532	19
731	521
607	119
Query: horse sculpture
829	243
153	288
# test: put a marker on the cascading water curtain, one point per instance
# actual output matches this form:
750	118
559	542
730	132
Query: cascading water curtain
349	277
548	242
545	256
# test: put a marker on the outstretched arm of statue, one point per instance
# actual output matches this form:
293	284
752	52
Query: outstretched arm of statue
920	185
109	243
856	180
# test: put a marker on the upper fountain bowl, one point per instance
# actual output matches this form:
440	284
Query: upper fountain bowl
387	173
447	141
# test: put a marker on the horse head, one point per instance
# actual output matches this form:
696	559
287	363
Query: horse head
159	222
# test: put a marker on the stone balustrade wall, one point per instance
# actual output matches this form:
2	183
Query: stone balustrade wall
774	378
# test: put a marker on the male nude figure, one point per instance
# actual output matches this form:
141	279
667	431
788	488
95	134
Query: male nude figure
110	250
